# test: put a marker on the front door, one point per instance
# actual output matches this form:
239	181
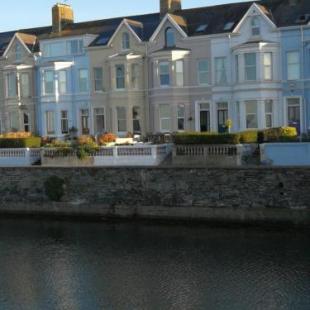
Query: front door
204	121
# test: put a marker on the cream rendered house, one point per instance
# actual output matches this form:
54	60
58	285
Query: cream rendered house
17	84
119	78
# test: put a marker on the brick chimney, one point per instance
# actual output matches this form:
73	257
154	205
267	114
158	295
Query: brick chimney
62	15
169	6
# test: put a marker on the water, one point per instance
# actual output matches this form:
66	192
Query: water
68	265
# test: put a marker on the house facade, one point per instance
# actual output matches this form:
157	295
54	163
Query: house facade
176	70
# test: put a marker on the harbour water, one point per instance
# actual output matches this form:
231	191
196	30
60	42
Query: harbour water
90	265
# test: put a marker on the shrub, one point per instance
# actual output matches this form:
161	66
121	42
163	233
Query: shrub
107	138
15	135
206	138
54	188
85	139
58	144
280	134
249	136
30	142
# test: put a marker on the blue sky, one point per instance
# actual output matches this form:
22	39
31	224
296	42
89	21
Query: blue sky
33	13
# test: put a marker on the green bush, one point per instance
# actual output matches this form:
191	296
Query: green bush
30	142
206	138
54	188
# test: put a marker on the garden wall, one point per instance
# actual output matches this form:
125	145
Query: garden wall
238	195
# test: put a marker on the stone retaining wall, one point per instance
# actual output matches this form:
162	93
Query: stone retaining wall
221	194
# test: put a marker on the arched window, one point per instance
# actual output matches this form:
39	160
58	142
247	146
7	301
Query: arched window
126	41
255	25
170	37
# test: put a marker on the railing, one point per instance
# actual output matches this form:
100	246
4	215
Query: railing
136	155
19	157
212	155
206	150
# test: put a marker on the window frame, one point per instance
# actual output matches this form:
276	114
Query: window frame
64	122
179	75
246	103
96	114
98	81
61	83
45	81
268	113
219	72
288	65
24	87
120	78
164	74
268	66
119	119
170	39
181	116
250	67
50	122
203	72
125	41
164	118
85	89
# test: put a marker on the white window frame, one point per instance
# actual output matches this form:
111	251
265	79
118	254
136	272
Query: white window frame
179	73
62	84
248	114
268	113
125	41
102	113
164	74
255	26
11	85
119	120
85	79
50	122
18	52
268	66
45	73
84	117
119	78
248	67
64	120
135	75
98	81
136	118
290	76
164	118
25	86
181	116
201	73
220	72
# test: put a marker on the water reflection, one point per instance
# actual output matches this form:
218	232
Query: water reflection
63	265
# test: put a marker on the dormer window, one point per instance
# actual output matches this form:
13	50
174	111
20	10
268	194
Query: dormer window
126	41
170	37
255	26
18	52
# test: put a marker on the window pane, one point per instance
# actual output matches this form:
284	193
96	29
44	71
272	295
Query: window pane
293	66
164	73
49	82
64	122
203	72
121	119
165	119
25	91
220	71
99	120
170	37
83	80
120	76
251	114
250	66
179	73
50	126
267	66
62	81
98	78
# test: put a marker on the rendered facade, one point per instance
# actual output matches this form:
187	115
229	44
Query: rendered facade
170	71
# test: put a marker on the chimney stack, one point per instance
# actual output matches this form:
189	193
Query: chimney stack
169	6
62	15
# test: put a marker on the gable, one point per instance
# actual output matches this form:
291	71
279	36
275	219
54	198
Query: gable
134	29
175	22
258	13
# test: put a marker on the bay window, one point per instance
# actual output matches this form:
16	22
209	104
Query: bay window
83	80
98	79
293	65
48	82
164	73
203	72
121	119
24	85
251	114
11	85
268	113
181	117
250	66
99	120
268	66
62	82
64	122
179	73
220	71
120	76
50	122
164	118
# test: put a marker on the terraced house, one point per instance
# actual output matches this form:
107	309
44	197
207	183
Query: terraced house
175	70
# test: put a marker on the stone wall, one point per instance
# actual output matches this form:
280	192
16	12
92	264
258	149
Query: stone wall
216	194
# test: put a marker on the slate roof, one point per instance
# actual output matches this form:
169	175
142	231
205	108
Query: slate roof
210	20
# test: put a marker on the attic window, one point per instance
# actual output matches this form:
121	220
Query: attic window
228	26
202	28
255	26
18	52
304	18
126	41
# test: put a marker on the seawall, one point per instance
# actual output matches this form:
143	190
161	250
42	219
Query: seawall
230	195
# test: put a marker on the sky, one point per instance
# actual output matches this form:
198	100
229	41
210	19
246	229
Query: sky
19	14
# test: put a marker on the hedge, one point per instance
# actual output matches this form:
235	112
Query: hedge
250	136
206	138
281	134
14	143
